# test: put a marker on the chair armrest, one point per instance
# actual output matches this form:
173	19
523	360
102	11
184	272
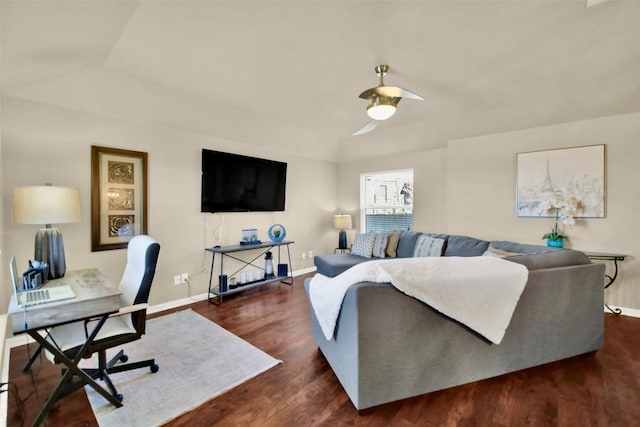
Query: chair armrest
123	310
130	309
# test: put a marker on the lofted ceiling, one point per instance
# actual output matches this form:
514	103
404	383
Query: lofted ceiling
287	74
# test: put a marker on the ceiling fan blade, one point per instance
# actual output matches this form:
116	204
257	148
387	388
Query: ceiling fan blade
367	128
367	94
393	92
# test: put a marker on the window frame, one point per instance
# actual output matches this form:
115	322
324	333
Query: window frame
364	207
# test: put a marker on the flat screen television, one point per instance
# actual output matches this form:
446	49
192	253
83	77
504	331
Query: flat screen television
236	183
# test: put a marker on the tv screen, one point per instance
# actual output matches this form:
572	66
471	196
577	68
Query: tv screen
235	183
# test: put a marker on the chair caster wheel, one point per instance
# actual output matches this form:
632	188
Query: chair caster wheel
124	358
119	397
155	368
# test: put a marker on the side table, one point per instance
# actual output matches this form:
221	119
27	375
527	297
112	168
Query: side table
605	256
216	293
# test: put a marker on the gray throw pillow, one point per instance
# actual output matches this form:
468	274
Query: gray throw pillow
407	243
380	244
427	246
363	244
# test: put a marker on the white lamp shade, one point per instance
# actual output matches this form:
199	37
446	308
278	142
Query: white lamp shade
342	222
381	111
46	204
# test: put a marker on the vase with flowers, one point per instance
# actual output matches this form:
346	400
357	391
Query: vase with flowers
565	209
555	239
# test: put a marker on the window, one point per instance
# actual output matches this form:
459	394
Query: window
387	200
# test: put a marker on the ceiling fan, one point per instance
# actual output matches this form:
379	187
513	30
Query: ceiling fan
384	100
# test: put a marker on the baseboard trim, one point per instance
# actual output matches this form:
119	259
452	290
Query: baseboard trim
304	271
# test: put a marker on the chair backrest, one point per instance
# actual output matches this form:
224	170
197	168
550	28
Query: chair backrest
142	257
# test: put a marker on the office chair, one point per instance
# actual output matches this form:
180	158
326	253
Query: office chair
127	325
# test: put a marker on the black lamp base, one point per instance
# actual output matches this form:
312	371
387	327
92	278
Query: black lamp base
50	249
342	240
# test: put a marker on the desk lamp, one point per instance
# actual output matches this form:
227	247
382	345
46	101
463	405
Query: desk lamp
342	223
47	204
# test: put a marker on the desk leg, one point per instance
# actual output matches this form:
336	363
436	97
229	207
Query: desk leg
73	368
33	358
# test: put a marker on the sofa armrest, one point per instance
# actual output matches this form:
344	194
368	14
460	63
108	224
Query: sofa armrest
332	265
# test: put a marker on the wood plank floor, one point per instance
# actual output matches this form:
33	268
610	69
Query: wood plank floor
601	389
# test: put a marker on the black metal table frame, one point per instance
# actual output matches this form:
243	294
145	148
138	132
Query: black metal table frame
609	257
65	386
227	250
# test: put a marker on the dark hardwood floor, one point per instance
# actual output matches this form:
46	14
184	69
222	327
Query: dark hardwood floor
601	389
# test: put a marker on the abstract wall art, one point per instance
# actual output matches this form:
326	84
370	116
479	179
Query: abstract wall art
573	178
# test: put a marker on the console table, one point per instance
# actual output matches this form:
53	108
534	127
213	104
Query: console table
605	256
217	292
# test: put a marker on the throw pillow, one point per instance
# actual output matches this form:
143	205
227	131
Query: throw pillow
407	243
495	252
363	244
428	246
392	244
380	244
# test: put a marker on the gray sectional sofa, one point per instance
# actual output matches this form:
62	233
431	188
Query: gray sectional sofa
388	346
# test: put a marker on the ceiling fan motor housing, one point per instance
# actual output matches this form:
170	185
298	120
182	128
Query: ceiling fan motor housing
384	100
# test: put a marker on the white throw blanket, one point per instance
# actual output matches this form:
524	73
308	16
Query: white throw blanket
479	292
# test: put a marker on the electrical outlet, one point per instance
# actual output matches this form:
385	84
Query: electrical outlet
304	255
184	278
177	280
310	254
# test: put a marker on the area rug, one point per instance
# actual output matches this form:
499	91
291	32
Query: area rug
198	361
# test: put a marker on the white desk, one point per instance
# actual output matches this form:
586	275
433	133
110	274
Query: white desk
96	297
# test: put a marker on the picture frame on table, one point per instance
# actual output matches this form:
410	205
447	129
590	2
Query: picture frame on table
118	197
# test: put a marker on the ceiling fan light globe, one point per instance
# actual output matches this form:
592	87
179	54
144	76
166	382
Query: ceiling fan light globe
380	111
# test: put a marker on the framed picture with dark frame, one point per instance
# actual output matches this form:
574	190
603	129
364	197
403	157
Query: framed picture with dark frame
118	197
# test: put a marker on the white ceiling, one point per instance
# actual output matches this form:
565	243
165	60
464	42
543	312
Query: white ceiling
288	74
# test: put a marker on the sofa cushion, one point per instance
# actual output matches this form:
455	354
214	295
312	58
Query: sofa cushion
520	248
465	246
380	245
332	265
500	253
551	259
392	244
428	246
407	243
363	244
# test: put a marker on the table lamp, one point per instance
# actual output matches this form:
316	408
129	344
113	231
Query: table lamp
47	204
342	222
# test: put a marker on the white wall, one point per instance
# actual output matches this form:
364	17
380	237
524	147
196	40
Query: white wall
429	178
469	188
3	317
481	181
42	143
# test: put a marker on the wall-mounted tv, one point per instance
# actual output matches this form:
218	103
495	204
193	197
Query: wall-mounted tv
236	183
